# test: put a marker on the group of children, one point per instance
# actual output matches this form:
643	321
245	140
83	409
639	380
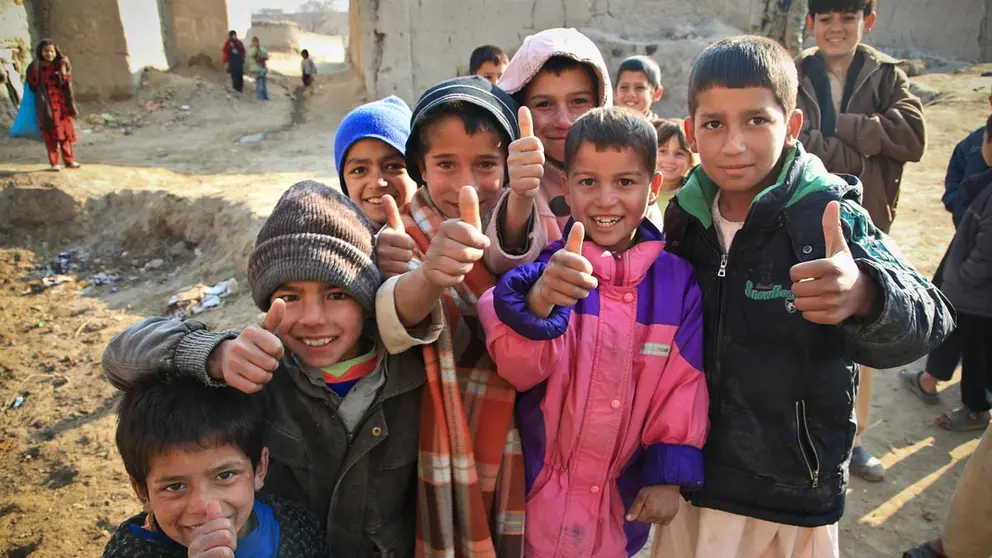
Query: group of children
483	348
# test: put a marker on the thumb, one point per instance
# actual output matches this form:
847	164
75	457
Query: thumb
393	219
636	507
833	232
526	122
468	206
274	316
575	238
214	511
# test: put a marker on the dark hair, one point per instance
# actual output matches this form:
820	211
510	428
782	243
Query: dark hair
866	7
988	130
42	44
161	413
742	62
305	53
613	127
475	118
644	65
668	128
558	64
486	53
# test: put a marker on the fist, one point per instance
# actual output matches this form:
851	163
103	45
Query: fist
393	247
567	278
458	245
655	504
525	163
216	538
248	362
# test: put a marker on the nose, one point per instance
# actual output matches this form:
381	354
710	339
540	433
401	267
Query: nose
380	178
563	119
734	143
605	197
196	505
313	312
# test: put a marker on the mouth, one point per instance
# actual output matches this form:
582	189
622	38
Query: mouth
606	222
373	201
668	170
836	40
736	170
317	342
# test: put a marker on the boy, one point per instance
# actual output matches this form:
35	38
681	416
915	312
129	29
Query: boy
233	55
861	119
639	85
488	62
797	285
343	432
196	458
258	60
307	68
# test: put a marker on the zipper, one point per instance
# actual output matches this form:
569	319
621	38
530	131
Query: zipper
618	279
722	272
804	439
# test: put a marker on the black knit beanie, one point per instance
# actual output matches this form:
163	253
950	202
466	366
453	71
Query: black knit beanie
315	233
472	89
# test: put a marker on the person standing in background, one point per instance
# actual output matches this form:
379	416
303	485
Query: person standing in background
307	68
50	78
233	55
257	60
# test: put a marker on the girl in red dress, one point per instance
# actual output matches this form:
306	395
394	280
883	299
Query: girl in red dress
50	78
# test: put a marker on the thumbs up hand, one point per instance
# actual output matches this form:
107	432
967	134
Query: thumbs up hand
567	278
833	288
248	362
216	538
458	245
525	163
393	247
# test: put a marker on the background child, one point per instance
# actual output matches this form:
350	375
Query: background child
797	285
343	431
860	119
488	62
639	85
604	341
258	60
457	149
675	160
233	55
307	68
558	75
50	78
196	458
369	154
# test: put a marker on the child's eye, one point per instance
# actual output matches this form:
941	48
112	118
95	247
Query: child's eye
338	296
358	171
289	297
758	120
625	182
587	182
175	487
581	101
446	165
227	475
487	165
712	125
543	105
396	167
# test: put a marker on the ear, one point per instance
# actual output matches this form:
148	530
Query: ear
869	22
690	134
262	469
142	493
809	23
793	127
658	93
656	181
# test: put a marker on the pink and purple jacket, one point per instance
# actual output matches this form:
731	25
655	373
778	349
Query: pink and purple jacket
611	393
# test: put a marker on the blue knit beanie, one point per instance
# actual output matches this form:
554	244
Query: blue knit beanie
387	120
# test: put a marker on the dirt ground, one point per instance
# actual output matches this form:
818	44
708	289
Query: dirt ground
171	196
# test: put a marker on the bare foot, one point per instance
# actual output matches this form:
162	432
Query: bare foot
928	383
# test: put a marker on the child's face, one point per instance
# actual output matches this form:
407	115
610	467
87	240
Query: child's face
740	135
182	481
837	34
48	53
987	150
609	192
673	162
556	101
456	158
372	169
635	92
492	71
322	324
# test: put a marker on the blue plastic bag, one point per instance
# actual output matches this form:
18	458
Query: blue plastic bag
26	123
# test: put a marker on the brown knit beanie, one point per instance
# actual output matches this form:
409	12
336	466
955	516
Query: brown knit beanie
314	233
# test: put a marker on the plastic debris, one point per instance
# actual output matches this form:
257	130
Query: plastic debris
154	264
18	401
103	279
56	280
152	106
184	107
200	298
252	138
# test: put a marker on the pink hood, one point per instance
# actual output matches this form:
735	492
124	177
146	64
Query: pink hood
538	48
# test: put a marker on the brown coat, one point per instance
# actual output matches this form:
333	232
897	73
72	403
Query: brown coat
43	104
880	130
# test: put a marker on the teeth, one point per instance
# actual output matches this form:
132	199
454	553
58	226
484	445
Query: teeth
318	342
606	222
374	201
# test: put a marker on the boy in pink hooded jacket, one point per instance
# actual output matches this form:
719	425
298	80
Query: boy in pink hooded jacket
557	75
603	340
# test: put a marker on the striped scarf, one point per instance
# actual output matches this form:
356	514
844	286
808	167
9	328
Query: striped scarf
470	482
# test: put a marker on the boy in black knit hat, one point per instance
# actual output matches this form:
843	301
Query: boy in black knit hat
345	412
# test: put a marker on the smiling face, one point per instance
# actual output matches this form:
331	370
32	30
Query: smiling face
740	135
556	101
48	53
838	34
635	92
322	324
182	481
609	191
673	162
372	169
455	158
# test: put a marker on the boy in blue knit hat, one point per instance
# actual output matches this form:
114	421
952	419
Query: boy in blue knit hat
369	153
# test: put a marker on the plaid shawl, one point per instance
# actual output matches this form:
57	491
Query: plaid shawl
470	482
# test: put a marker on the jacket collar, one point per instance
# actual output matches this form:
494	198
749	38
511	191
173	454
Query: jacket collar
629	268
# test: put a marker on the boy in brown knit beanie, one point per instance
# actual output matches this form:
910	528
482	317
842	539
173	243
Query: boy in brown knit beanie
346	412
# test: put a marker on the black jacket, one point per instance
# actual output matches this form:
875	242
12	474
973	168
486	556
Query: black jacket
782	388
968	269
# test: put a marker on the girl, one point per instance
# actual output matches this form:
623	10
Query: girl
234	55
50	78
559	75
675	159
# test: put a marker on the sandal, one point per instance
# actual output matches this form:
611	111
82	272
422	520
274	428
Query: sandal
925	550
74	165
962	420
912	380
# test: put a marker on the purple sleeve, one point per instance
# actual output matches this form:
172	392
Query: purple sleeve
510	303
672	464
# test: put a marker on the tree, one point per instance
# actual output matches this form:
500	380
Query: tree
317	13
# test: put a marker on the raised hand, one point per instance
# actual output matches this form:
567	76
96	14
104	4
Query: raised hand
525	163
832	289
393	247
248	362
458	245
216	538
567	278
